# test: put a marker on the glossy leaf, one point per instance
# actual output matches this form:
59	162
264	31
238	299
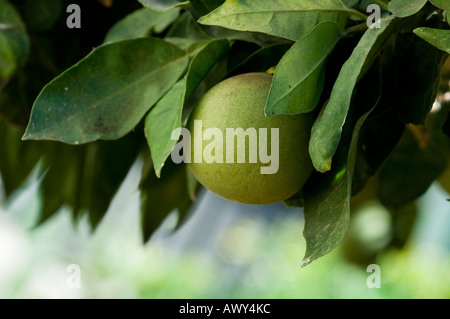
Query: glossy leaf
406	8
436	37
141	23
290	19
327	129
167	114
299	77
14	42
105	95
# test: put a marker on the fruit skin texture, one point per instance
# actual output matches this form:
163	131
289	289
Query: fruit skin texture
239	102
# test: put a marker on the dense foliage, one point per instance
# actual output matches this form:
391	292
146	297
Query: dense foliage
89	102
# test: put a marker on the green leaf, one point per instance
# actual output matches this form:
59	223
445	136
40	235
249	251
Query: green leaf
161	196
160	123
327	196
106	164
14	42
201	7
16	98
350	3
290	19
61	182
443	4
299	77
84	177
419	78
327	205
187	27
141	23
17	158
182	43
163	5
260	39
382	131
411	168
436	37
167	114
406	8
296	200
378	138
106	94
327	129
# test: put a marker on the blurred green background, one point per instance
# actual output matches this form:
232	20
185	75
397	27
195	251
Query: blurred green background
225	250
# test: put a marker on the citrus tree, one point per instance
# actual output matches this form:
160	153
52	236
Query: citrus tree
82	102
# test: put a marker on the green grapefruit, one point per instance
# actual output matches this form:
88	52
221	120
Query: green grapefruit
239	102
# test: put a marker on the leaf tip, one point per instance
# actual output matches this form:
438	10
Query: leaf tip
27	136
305	262
322	165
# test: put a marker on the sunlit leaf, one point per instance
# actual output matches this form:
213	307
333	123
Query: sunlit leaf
140	24
299	77
290	19
167	114
405	8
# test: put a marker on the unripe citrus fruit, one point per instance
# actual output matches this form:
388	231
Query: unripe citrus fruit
239	102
